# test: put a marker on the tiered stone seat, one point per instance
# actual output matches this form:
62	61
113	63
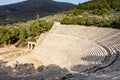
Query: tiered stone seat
69	46
88	48
111	40
111	43
71	51
78	49
98	33
41	38
110	35
117	47
70	30
112	62
90	33
95	32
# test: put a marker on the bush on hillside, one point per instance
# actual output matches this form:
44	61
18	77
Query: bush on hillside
7	36
92	20
18	43
22	31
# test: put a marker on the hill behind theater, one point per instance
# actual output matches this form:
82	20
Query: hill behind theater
27	10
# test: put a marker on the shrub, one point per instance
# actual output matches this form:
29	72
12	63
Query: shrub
33	39
22	33
89	21
66	20
18	43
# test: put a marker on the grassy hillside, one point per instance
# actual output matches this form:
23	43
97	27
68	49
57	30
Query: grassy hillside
104	13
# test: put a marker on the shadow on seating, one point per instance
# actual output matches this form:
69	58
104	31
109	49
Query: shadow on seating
50	72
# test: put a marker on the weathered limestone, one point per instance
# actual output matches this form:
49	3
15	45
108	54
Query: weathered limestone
54	49
69	46
76	49
68	52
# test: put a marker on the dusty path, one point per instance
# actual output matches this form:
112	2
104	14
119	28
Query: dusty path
11	52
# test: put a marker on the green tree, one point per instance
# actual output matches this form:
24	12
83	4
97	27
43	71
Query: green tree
22	33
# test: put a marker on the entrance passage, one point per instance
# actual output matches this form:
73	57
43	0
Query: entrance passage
31	45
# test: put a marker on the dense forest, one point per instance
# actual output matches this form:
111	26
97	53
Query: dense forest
102	13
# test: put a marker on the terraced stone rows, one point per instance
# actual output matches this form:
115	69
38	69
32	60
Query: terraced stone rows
105	37
85	49
111	39
92	58
84	32
109	60
113	43
110	35
117	47
113	55
41	38
108	40
89	33
98	34
93	33
74	31
113	63
101	36
79	48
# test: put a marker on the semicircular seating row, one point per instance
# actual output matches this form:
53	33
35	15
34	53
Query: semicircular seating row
78	48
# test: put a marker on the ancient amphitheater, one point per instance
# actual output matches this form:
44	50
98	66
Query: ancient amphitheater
69	52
